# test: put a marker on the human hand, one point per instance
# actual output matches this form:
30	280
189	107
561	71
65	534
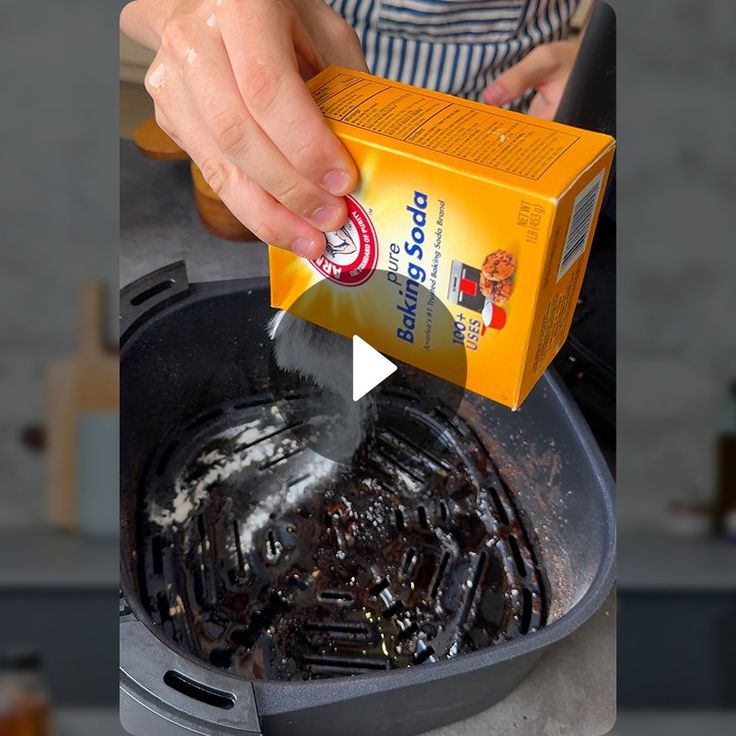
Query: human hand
545	69
227	83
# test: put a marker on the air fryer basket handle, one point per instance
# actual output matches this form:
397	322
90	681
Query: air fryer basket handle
151	290
189	698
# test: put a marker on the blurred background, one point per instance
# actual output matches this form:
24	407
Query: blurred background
59	274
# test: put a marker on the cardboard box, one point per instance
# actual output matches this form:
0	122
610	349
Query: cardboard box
485	212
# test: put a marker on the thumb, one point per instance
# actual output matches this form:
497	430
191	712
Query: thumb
532	70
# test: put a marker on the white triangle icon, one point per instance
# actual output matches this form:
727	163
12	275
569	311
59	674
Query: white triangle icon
369	368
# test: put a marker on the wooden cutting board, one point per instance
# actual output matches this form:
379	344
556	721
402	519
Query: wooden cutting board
81	385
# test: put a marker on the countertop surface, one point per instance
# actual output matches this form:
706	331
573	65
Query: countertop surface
652	562
572	689
159	225
48	560
628	723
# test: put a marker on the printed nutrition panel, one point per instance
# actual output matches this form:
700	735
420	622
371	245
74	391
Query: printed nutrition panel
481	136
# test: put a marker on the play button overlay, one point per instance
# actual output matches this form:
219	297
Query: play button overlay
339	395
369	368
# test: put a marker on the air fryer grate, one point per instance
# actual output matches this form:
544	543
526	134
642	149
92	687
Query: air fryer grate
281	569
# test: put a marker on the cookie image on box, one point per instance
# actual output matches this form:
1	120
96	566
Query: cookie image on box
498	266
497	291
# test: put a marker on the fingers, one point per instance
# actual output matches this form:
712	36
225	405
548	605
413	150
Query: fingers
345	48
266	218
228	89
535	69
334	39
208	77
545	105
136	23
269	220
258	37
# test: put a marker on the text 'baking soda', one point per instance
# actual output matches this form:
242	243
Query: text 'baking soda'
491	211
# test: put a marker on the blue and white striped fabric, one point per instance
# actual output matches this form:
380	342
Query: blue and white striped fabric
455	46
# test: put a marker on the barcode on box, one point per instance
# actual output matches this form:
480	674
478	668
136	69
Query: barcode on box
582	218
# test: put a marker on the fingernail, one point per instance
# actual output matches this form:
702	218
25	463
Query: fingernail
304	247
337	183
327	218
493	94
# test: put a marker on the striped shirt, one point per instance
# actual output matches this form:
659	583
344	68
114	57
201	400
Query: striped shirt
455	46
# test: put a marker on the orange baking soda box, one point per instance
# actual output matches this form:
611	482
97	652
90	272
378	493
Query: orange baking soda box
485	212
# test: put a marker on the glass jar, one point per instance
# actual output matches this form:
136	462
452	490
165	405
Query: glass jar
24	703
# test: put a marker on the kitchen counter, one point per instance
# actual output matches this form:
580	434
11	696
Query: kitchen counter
668	585
650	561
572	689
159	225
43	571
49	560
628	723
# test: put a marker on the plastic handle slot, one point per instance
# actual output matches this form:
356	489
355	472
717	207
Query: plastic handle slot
198	691
144	296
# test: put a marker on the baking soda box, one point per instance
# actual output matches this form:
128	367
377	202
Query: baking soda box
467	238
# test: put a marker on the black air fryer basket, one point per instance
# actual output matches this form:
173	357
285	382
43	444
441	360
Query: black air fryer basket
265	589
